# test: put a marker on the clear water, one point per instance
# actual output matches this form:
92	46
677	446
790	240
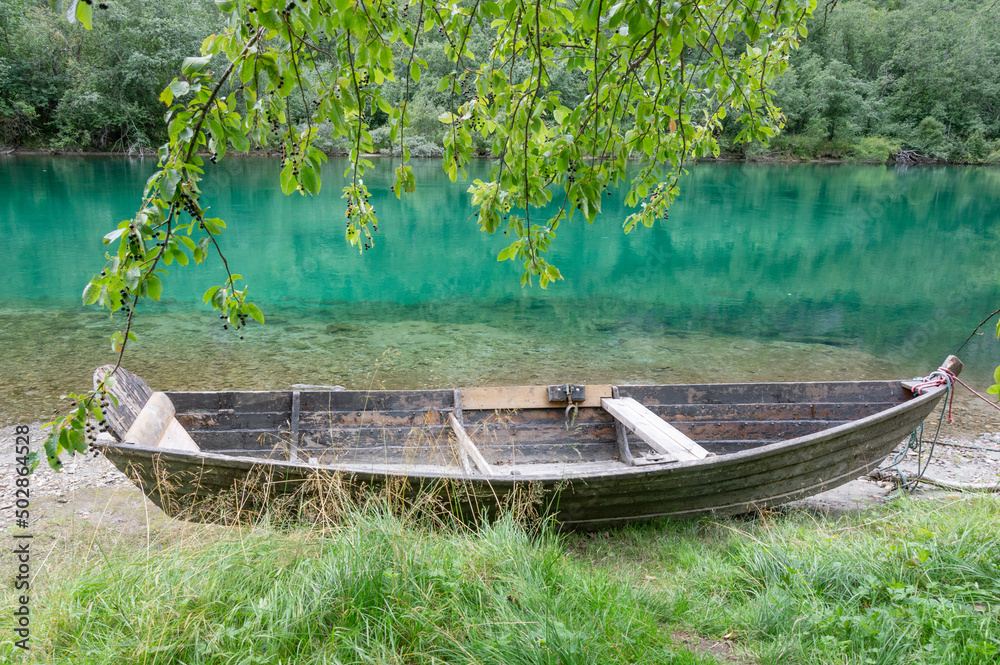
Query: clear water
762	272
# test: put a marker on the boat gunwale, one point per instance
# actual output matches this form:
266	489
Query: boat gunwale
719	461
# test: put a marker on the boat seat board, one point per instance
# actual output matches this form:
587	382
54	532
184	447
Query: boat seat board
659	434
156	426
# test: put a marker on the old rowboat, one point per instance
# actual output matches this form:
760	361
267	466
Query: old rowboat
593	456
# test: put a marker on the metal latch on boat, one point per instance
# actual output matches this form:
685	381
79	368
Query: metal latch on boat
567	392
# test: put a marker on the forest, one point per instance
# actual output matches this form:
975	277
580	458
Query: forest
875	81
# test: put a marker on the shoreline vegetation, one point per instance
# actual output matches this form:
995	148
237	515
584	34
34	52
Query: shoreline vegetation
875	82
914	581
767	157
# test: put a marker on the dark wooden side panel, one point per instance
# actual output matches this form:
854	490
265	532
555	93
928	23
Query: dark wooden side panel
318	400
771	393
829	411
378	400
237	401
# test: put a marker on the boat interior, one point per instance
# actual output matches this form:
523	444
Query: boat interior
521	430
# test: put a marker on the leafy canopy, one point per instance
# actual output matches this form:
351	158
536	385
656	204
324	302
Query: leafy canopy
660	78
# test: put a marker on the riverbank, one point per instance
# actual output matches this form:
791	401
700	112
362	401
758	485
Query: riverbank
874	154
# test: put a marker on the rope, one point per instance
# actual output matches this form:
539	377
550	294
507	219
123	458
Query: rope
940	377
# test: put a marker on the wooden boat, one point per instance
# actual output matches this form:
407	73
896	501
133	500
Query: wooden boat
592	456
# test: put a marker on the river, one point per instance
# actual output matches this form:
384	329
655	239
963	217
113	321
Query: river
761	272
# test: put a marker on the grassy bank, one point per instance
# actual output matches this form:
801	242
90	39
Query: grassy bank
916	583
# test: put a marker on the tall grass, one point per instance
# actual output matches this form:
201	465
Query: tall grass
913	583
376	590
919	583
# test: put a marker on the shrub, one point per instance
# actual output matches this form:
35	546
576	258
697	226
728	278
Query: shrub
874	150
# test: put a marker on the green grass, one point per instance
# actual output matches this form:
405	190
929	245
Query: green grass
913	583
374	591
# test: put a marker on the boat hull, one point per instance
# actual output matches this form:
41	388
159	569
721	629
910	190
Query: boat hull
583	495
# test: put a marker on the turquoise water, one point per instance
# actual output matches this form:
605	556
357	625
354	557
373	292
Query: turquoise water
762	272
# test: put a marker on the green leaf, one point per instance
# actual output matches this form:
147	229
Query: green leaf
82	12
309	180
447	118
210	294
414	71
52	443
114	235
214	225
179	88
195	65
255	312
91	293
287	179
239	141
154	287
63	440
225	5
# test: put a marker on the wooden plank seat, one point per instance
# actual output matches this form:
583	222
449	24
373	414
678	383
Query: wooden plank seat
659	434
156	425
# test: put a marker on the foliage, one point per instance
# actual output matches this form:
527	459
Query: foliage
66	87
647	80
874	150
873	68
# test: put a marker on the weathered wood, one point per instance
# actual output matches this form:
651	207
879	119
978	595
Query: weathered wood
751	424
293	443
469	446
953	365
130	391
312	400
463	455
152	420
831	411
176	437
697	412
624	452
523	397
657	433
768	393
378	400
605	498
155	426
